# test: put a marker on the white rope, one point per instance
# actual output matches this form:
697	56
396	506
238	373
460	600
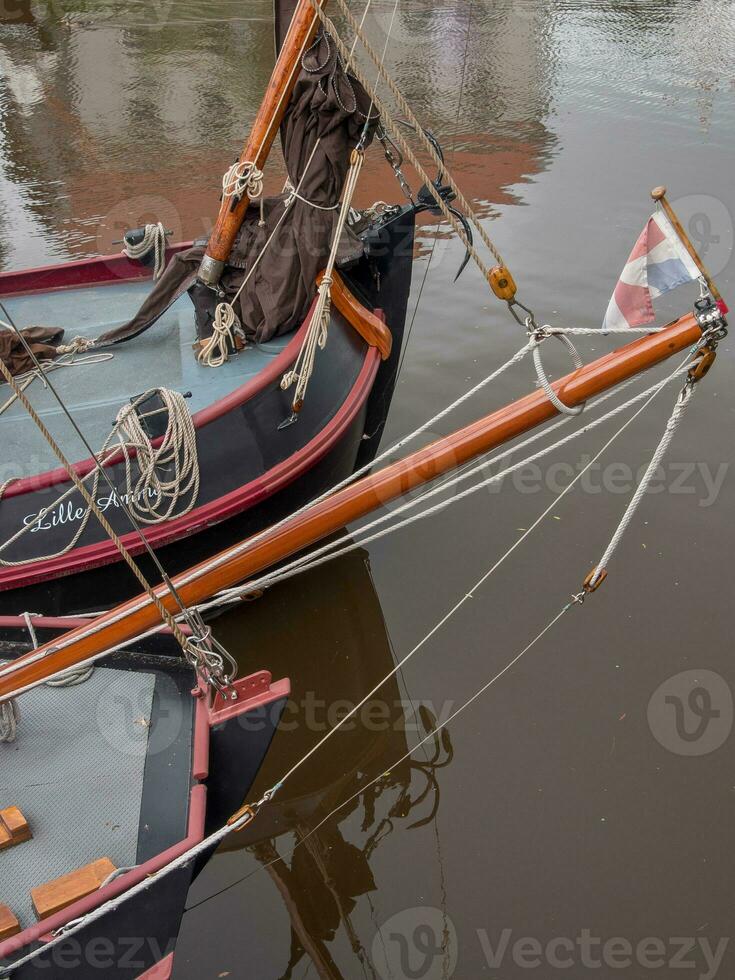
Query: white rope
9	721
243	177
225	316
69	678
79	344
361	537
154	238
544	381
154	499
318	331
683	402
150	497
215	351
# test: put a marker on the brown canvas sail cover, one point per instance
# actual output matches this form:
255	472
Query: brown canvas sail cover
327	106
41	340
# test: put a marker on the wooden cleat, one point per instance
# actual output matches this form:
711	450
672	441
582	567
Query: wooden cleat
61	892
14	828
9	925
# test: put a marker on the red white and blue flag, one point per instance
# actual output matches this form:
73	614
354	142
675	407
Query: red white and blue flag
659	262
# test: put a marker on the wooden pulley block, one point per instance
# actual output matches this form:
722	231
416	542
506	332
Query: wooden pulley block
587	584
703	365
502	283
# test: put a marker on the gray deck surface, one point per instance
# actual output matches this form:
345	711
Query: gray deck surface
161	357
76	771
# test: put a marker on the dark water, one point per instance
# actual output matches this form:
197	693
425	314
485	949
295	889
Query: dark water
560	810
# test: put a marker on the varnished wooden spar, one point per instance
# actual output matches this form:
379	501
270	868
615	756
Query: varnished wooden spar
300	36
241	562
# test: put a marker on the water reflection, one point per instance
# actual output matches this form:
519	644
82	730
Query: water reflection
334	659
111	113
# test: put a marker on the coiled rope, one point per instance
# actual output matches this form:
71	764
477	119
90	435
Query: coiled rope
243	177
154	238
150	497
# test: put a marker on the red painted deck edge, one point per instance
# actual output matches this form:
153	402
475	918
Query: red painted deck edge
100	270
288	470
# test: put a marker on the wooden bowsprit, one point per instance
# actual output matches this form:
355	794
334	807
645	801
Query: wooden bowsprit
240	562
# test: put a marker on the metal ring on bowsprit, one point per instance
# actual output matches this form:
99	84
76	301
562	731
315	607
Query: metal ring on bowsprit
558	404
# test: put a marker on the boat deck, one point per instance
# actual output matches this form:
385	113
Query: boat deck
76	771
95	390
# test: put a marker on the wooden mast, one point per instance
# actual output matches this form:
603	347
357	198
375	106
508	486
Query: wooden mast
300	35
242	561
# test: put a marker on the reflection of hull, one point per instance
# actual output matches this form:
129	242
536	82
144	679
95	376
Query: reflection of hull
334	657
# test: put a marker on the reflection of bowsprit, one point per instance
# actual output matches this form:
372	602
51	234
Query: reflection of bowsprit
699	703
700	229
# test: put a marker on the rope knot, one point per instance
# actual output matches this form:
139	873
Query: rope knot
215	351
243	177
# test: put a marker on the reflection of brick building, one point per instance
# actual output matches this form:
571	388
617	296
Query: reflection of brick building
109	120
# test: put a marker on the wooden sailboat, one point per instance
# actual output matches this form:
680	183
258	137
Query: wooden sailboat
248	467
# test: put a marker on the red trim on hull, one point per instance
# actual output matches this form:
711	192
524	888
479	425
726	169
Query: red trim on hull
275	479
102	270
161	971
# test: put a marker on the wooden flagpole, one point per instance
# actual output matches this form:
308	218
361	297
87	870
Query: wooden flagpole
659	194
242	561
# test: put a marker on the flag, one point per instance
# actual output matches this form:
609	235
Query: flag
659	262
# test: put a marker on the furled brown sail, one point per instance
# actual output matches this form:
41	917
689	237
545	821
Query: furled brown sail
41	340
327	106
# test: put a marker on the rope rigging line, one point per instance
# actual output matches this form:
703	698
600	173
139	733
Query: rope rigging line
205	654
397	135
249	812
318	331
683	403
434	243
649	395
361	537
